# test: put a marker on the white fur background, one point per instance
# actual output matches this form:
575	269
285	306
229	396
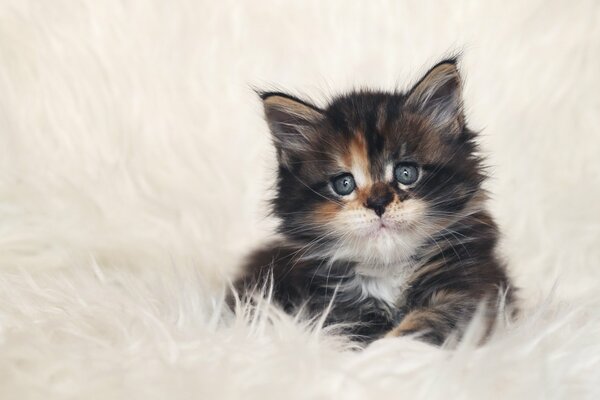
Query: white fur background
134	164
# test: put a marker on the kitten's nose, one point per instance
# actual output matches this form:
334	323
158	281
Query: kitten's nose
380	196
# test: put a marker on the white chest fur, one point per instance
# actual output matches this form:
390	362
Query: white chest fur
389	288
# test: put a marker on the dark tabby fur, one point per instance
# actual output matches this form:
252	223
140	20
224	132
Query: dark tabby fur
389	258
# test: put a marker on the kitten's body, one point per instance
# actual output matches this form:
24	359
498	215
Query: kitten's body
383	253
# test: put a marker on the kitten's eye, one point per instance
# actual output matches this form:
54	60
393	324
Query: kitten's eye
343	184
406	174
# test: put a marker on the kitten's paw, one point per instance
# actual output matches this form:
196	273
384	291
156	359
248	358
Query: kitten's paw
418	324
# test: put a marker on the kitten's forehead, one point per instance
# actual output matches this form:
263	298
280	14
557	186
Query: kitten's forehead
364	123
367	166
377	131
356	159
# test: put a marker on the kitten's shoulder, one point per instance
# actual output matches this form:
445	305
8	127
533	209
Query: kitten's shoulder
273	265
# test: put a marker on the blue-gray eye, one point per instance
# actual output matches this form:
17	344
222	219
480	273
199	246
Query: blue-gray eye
406	174
343	184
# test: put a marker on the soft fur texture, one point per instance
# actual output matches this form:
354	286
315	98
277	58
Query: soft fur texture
133	167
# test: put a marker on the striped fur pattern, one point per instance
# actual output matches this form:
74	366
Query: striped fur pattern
406	246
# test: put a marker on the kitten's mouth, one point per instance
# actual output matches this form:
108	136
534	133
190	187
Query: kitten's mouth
383	227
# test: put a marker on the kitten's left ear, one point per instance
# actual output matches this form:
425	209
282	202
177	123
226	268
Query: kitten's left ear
292	122
438	96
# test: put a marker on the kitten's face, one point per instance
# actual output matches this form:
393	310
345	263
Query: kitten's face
373	176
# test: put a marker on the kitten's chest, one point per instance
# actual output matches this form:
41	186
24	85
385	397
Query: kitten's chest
376	303
386	289
360	289
388	285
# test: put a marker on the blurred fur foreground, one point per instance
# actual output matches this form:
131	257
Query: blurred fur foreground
96	333
133	168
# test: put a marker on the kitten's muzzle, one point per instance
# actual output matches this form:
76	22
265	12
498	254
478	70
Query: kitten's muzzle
381	195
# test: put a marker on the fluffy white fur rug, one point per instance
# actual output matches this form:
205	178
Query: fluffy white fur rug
134	164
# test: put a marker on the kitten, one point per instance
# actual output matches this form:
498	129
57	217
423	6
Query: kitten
382	214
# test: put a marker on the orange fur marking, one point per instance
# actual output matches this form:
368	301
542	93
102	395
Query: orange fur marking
413	322
358	153
326	212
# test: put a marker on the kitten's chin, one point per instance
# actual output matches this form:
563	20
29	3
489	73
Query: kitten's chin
382	251
384	229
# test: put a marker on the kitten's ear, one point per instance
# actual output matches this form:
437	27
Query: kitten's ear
438	96
292	123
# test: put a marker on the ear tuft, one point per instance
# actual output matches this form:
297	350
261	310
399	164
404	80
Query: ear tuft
292	122
438	96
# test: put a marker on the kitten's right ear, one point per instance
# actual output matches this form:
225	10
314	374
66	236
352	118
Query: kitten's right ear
292	123
438	96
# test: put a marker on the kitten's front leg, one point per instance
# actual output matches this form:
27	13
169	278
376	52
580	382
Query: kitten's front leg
445	313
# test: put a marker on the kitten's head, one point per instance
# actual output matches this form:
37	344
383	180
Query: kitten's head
373	175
